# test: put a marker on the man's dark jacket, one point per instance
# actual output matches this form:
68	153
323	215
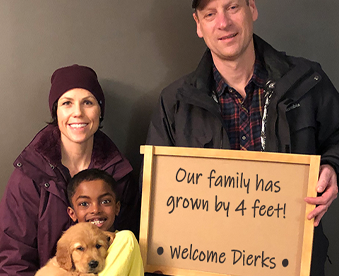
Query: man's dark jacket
302	115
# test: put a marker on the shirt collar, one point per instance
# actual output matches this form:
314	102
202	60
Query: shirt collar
259	77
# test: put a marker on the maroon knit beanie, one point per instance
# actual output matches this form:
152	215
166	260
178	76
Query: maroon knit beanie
75	76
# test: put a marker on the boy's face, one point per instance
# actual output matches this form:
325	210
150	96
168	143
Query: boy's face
94	201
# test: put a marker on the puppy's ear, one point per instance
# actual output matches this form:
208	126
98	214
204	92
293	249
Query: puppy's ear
110	237
63	254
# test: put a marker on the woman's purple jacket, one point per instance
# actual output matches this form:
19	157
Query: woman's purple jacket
33	209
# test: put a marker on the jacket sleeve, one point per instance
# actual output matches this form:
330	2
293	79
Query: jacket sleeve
18	227
161	130
328	121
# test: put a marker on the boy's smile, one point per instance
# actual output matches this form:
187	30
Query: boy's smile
94	201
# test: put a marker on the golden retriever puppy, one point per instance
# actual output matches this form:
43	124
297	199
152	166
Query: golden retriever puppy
81	250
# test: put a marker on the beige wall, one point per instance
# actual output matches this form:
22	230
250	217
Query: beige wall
136	47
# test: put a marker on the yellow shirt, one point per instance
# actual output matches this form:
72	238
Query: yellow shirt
124	258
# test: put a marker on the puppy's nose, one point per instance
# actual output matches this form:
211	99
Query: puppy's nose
93	264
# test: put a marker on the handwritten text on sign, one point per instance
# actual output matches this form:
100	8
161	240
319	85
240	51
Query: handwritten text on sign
231	182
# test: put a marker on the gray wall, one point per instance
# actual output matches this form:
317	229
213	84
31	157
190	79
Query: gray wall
136	47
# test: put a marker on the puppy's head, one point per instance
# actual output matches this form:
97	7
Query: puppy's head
83	248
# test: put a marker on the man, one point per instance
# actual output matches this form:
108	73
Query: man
246	95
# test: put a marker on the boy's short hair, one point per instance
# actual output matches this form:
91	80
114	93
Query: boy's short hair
90	175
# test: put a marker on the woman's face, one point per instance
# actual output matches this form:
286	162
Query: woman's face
78	115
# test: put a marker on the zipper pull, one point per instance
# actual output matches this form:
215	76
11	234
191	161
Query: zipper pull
269	88
214	96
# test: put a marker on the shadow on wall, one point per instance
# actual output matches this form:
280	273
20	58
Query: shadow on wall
180	49
129	110
130	120
174	31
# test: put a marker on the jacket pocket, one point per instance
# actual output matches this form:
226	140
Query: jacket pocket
302	131
299	118
196	137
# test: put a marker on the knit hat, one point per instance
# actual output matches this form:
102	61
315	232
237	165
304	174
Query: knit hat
195	3
75	76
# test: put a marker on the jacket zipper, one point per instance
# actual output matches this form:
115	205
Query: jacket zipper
215	98
268	92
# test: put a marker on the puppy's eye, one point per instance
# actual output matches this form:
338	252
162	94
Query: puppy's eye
80	248
98	246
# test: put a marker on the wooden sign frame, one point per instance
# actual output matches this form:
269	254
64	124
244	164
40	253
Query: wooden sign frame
309	163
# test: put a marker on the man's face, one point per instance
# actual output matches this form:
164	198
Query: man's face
227	27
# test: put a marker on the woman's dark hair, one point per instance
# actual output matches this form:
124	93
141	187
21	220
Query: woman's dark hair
54	120
90	175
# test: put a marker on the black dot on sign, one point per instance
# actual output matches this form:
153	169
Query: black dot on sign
285	263
160	250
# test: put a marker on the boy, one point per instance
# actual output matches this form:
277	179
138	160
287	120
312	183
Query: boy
93	199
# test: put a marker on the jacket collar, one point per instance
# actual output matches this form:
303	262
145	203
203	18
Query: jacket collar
275	62
202	77
198	87
47	143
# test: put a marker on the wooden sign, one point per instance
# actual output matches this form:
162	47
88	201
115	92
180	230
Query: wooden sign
224	212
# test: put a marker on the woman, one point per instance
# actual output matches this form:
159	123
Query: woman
33	210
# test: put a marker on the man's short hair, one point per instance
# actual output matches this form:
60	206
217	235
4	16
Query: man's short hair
90	175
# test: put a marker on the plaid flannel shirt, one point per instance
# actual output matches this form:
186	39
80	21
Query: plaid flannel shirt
243	117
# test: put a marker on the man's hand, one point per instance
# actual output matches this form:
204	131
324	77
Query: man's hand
328	188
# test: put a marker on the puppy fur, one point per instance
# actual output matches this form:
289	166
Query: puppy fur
81	250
